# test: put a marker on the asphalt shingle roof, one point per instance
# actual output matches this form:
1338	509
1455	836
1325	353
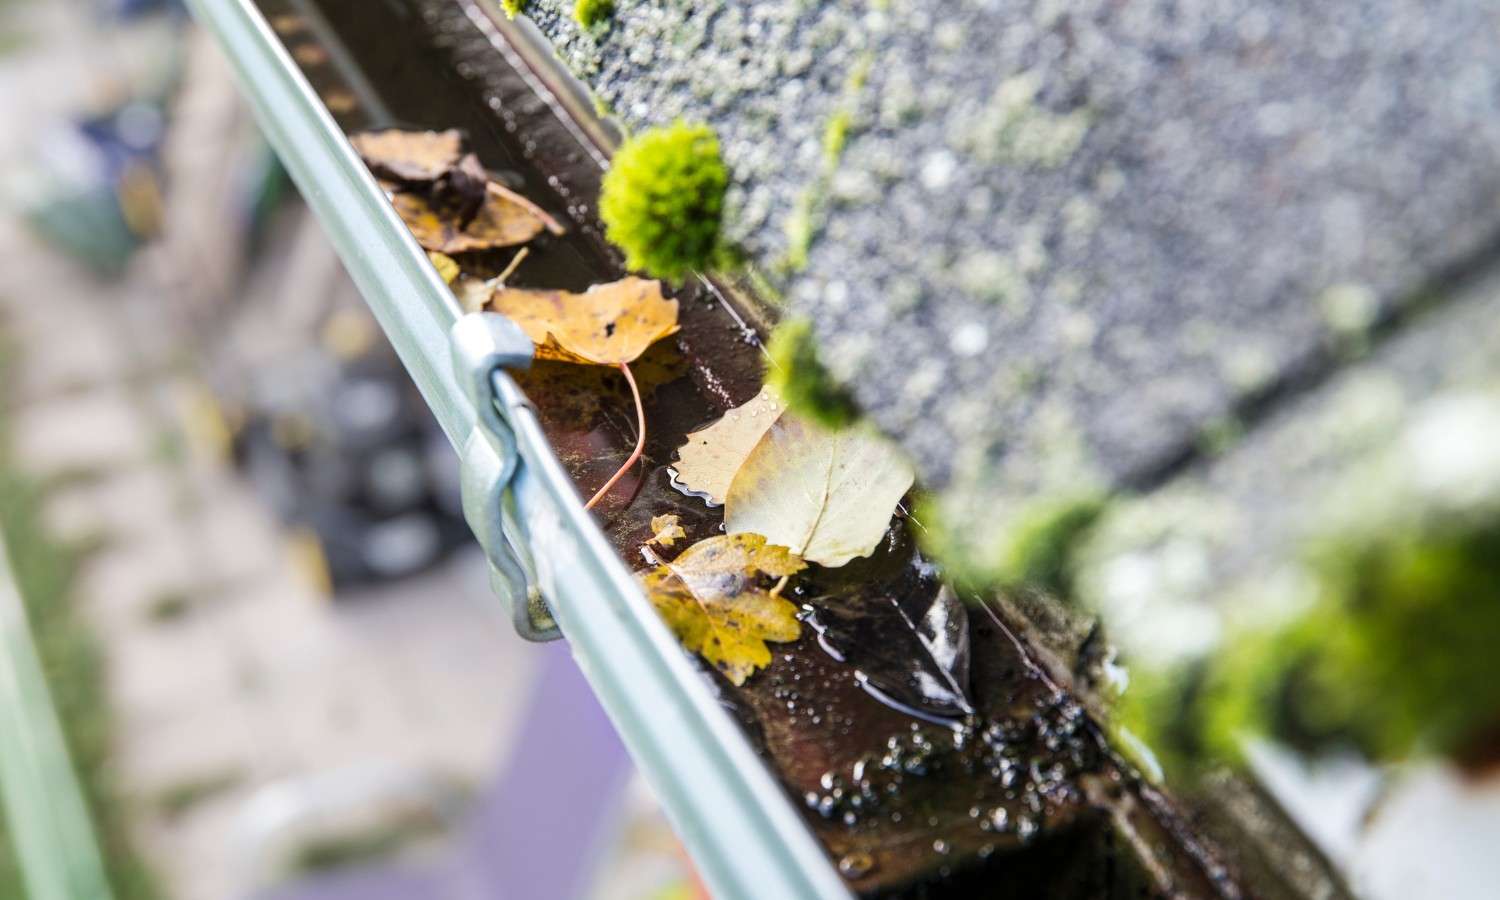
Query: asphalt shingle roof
1065	239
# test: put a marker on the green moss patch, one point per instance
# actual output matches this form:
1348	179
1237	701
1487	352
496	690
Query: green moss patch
796	374
1035	548
589	13
662	200
1395	660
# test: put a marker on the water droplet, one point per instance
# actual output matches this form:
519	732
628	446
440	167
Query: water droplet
999	818
1026	828
940	846
856	864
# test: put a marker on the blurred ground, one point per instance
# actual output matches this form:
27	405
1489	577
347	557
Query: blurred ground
231	682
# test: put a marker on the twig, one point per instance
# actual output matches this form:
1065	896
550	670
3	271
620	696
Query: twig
640	441
510	267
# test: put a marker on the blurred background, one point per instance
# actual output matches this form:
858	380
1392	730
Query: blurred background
240	591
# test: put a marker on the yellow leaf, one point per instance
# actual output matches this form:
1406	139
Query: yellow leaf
447	269
606	325
665	530
711	456
712	599
827	495
409	155
502	221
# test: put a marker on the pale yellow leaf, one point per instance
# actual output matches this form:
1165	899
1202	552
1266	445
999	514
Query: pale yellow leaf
827	495
605	325
665	530
711	456
713	598
473	293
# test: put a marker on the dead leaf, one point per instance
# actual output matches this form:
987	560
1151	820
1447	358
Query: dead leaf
606	325
665	530
409	155
463	187
447	269
505	219
588	397
711	456
712	598
499	190
500	222
473	293
827	495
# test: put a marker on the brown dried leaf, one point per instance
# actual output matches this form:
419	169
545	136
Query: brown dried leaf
712	598
409	155
505	219
711	456
501	222
586	397
463	187
606	325
665	530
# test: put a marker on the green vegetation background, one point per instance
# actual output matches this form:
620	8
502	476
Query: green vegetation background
45	571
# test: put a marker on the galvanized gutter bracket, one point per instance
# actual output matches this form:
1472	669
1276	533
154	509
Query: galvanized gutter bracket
483	345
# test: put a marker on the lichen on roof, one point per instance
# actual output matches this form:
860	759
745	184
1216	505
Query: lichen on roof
1073	242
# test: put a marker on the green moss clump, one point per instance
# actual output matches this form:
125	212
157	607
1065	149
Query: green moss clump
798	377
662	200
1396	659
1038	549
1411	663
1035	549
591	12
513	8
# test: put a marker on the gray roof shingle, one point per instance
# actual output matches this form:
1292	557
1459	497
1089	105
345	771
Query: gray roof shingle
1066	238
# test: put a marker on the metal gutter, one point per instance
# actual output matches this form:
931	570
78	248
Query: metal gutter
735	819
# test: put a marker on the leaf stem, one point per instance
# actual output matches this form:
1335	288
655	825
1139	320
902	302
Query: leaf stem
640	441
511	267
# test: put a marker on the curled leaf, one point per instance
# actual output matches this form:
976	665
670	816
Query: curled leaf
409	155
710	458
712	597
827	495
665	530
500	222
505	219
606	325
